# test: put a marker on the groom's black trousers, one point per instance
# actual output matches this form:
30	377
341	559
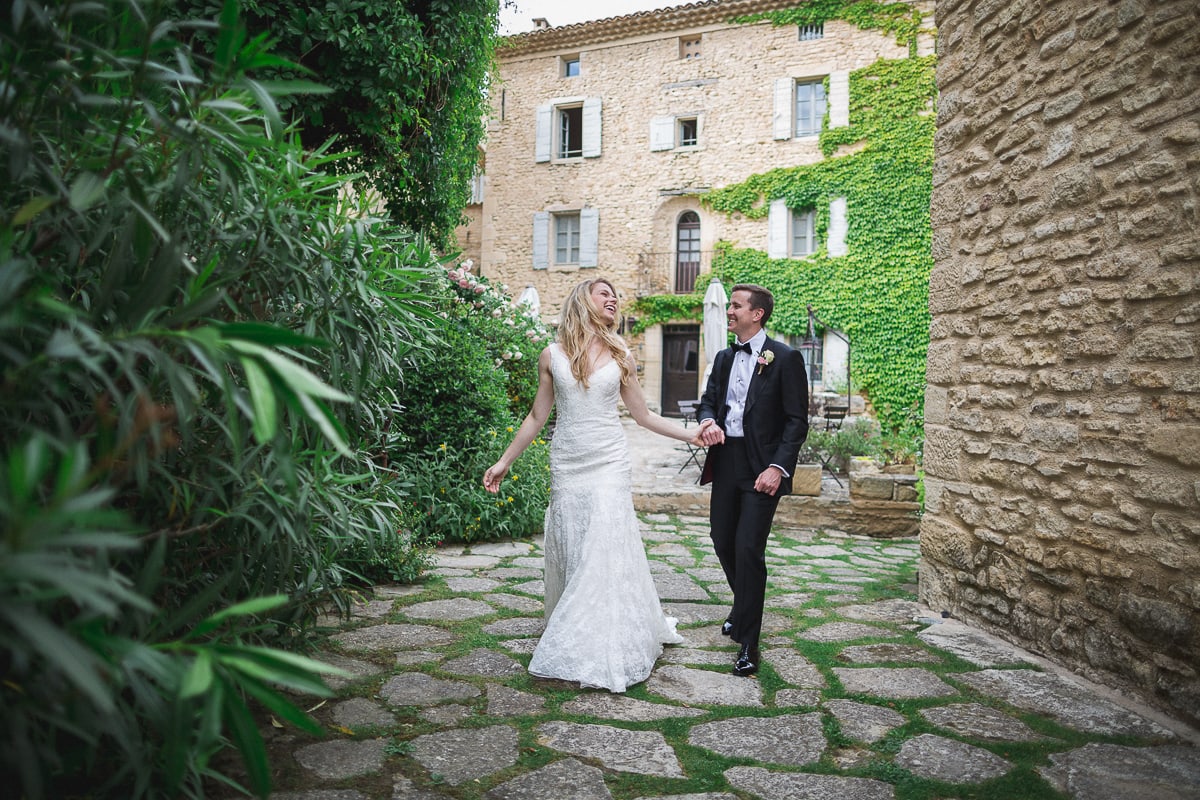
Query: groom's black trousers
740	520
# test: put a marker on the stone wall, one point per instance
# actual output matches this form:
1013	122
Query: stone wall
1063	402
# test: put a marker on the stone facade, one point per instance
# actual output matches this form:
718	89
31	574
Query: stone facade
638	77
1063	403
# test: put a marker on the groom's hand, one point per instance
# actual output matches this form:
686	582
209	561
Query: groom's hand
768	481
711	433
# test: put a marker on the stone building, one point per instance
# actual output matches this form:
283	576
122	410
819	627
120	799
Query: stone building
603	135
1063	403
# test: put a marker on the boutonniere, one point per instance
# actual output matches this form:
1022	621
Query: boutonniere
765	357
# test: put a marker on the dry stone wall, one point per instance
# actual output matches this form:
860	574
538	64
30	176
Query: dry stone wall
1063	401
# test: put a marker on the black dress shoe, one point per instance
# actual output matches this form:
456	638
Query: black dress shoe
727	627
747	661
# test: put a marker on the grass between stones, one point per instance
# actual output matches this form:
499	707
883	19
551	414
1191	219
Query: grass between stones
832	572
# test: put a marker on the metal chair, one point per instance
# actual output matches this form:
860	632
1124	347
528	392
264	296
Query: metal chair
835	416
687	408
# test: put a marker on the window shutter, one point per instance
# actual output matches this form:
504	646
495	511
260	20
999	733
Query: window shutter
589	237
541	147
541	240
839	99
784	120
591	127
838	225
777	229
662	133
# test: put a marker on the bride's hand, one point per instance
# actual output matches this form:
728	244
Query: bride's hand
493	476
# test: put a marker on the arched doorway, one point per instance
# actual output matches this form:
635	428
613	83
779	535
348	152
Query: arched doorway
687	252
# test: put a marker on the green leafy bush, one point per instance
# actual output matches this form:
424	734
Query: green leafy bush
203	335
857	437
471	393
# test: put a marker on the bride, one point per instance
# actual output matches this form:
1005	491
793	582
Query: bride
604	625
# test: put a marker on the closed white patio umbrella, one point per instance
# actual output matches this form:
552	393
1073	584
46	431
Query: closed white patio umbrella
715	329
529	298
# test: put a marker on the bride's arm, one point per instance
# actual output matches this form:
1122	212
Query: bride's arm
533	424
635	401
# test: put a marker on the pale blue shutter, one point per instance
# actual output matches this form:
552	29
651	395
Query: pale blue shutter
784	119
838	225
839	99
589	237
541	240
662	133
777	229
542	133
591	127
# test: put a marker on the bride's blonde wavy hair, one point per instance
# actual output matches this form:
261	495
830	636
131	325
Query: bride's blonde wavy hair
579	322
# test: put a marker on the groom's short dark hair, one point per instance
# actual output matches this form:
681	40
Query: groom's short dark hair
760	297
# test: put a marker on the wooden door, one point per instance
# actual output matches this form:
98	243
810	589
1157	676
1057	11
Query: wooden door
681	366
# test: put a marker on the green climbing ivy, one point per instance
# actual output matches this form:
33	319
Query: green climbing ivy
877	294
892	19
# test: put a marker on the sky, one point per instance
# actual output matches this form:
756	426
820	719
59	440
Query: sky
518	16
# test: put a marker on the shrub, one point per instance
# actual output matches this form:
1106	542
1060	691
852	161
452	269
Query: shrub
202	336
471	394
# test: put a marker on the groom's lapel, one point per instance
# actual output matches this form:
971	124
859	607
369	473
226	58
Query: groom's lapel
757	380
726	368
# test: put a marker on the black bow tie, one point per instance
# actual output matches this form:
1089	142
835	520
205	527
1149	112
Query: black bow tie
745	348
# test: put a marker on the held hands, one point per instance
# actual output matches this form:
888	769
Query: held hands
493	476
710	433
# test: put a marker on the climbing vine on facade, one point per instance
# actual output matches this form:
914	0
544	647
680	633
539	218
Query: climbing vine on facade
877	294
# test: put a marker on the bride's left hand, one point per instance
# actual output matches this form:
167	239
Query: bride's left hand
493	476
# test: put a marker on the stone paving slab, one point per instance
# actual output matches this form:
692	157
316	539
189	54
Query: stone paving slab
458	608
1066	702
617	706
792	740
901	683
702	687
567	779
418	689
793	786
1115	772
642	752
342	758
393	637
864	722
949	760
462	755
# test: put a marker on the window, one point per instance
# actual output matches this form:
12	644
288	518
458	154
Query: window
689	48
570	132
804	223
811	32
567	128
570	66
688	132
670	132
566	240
810	107
801	105
687	252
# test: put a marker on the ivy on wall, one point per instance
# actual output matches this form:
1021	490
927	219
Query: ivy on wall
877	294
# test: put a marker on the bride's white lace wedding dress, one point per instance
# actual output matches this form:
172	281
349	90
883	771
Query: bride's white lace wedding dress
604	624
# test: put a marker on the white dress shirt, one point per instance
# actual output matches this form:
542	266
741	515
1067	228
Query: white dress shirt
739	383
740	376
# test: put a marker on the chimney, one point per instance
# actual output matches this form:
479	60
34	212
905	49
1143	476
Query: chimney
541	23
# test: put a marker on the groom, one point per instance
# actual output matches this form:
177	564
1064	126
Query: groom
753	418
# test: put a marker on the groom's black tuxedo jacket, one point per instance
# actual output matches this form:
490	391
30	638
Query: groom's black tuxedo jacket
775	420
